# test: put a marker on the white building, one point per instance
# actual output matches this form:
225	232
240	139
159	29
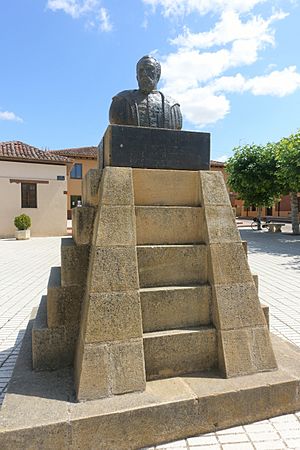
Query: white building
32	182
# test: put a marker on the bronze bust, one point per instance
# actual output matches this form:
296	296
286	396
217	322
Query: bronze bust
146	107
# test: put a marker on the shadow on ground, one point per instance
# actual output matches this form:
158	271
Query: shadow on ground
277	244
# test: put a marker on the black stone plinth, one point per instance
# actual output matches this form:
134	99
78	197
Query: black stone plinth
154	148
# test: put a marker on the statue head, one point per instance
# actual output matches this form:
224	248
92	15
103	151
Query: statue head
148	73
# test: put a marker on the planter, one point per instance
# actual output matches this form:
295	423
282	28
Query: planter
22	234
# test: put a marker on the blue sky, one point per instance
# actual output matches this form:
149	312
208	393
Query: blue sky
233	65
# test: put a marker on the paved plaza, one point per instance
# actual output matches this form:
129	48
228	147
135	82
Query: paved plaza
275	257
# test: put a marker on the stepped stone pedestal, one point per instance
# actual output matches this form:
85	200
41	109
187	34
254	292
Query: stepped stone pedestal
152	329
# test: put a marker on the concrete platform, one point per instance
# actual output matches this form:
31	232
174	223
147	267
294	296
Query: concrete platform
39	410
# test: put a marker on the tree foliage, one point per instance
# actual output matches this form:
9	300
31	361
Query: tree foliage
252	174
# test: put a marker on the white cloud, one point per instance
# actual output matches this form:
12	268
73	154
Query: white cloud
184	7
195	72
96	15
231	28
10	116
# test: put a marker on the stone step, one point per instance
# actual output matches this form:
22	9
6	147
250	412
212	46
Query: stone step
52	348
63	302
172	307
166	187
74	263
172	265
169	225
174	352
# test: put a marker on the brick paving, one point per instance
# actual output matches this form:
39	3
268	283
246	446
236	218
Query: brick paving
275	257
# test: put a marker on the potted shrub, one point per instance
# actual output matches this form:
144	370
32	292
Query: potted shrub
23	223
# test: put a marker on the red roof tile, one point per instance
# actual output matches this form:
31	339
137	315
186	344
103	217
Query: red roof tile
16	150
81	152
217	163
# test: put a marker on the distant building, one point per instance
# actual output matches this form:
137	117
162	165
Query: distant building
84	159
32	182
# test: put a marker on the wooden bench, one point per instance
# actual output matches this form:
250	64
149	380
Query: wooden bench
275	227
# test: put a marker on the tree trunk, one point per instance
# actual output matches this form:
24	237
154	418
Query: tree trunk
259	218
294	211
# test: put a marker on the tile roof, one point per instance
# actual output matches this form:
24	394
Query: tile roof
217	163
81	152
16	150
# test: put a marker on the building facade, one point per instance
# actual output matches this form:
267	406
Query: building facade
83	159
32	183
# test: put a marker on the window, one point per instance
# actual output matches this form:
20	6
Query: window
76	171
28	195
74	200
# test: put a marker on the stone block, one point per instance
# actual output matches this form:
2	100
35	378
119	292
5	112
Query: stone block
169	225
63	303
115	226
166	187
245	247
52	348
175	307
74	263
213	190
255	279
236	306
157	148
92	375
266	313
174	352
167	265
82	224
127	369
245	351
113	316
113	269
116	187
90	187
228	264
220	225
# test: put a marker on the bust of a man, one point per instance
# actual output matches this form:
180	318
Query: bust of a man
146	106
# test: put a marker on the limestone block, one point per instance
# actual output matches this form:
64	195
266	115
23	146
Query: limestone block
115	226
213	190
228	264
52	348
113	269
82	224
221	226
169	225
174	352
180	265
92	372
127	369
116	186
63	303
175	307
166	187
245	351
266	313
245	247
90	187
236	306
74	263
255	279
113	316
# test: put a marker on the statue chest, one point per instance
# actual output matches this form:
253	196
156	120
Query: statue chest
151	110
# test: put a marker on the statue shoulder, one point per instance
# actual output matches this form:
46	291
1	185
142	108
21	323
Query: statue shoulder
126	95
171	101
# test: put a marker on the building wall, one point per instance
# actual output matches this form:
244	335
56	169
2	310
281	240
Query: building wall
75	185
50	216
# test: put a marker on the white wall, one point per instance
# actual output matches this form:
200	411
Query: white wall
50	216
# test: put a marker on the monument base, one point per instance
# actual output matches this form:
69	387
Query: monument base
40	412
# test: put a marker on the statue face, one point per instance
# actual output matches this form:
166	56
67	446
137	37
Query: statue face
147	76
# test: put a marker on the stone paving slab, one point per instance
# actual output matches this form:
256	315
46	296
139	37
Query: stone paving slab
275	257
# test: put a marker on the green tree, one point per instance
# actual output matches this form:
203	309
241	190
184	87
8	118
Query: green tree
252	174
288	172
